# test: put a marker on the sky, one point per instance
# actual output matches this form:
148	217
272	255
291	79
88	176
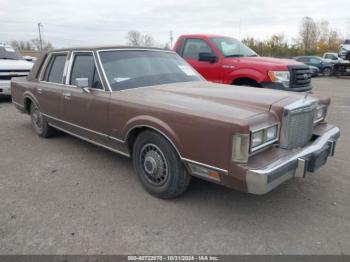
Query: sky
106	22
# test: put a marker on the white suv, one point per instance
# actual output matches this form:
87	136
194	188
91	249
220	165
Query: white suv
12	64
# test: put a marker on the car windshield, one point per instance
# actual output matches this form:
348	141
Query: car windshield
7	52
127	69
231	47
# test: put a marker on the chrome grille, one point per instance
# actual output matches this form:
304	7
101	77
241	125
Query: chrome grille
300	76
297	126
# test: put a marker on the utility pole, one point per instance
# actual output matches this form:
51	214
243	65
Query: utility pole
171	38
41	42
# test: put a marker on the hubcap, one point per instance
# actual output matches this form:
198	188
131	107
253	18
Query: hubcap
36	118
154	164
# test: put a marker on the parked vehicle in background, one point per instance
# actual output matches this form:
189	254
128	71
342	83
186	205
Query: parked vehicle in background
332	58
314	71
226	60
344	50
29	58
149	104
325	67
12	65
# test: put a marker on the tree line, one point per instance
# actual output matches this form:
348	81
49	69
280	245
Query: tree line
32	45
314	38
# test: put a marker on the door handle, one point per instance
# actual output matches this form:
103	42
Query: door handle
40	90
67	96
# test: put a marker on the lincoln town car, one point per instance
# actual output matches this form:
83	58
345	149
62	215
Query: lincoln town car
151	106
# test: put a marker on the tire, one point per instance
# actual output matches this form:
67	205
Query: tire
39	122
158	166
326	71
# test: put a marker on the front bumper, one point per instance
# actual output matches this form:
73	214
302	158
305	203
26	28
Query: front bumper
280	86
308	159
5	87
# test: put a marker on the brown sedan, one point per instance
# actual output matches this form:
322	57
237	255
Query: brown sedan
150	105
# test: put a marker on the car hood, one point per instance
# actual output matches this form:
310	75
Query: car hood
207	99
7	64
270	61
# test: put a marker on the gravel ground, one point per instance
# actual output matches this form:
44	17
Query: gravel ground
65	196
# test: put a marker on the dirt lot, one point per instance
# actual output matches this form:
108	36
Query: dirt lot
65	196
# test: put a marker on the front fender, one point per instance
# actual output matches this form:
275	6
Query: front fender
247	73
146	121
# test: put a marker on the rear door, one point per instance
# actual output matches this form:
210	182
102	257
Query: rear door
49	88
85	111
190	52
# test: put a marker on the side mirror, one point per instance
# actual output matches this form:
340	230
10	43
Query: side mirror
83	83
208	57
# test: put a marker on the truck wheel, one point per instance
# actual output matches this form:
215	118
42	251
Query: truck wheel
39	122
158	166
326	71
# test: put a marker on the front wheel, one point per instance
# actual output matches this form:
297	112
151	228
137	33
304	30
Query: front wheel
158	166
39	122
327	71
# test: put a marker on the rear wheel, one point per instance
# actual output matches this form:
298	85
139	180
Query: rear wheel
158	166
39	122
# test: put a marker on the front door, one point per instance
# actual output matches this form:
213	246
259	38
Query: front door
211	71
85	110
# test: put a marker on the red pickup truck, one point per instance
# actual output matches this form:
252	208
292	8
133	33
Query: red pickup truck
226	60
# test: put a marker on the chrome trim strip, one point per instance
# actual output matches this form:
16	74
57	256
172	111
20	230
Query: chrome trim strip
205	165
90	141
124	141
103	71
84	128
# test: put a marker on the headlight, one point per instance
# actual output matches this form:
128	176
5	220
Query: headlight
263	137
280	77
271	133
320	114
257	138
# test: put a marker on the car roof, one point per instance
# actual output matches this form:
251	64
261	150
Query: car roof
97	48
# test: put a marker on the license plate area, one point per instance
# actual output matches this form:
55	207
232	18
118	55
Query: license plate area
318	158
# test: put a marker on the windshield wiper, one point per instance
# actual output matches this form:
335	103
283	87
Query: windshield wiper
7	58
252	55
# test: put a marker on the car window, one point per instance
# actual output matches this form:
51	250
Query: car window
315	60
55	68
138	68
193	47
84	67
303	59
231	47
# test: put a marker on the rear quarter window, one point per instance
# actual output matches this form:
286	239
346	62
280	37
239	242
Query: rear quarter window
55	68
